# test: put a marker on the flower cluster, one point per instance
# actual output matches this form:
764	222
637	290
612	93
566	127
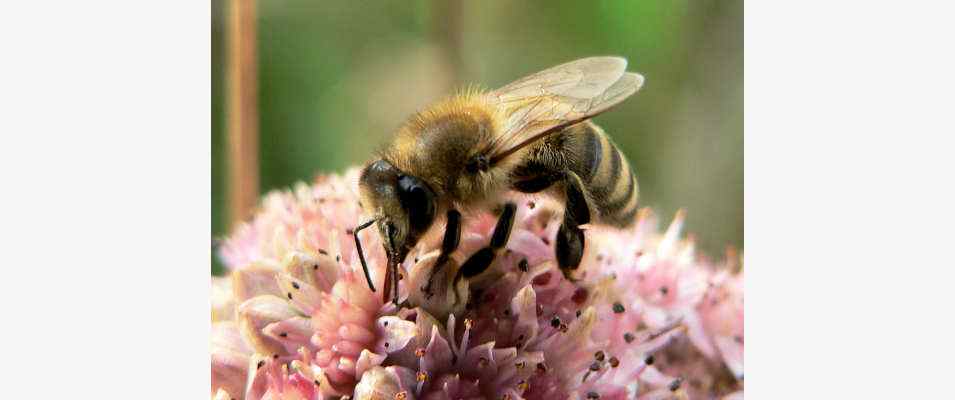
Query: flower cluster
643	317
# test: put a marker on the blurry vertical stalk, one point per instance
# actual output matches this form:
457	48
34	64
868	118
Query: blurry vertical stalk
243	117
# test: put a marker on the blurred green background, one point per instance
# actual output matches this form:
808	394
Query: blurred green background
337	77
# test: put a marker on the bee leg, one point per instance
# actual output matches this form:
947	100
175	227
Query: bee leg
569	248
540	181
478	262
452	237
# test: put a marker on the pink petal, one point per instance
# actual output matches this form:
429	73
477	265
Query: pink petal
732	353
368	360
302	387
258	382
479	360
257	313
293	333
438	353
347	348
226	335
577	333
444	299
423	325
254	281
524	305
223	303
304	296
356	293
672	236
531	246
229	371
734	396
393	334
221	394
355	333
347	366
697	335
318	270
379	384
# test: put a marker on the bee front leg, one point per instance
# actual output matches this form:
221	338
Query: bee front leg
480	261
569	248
452	237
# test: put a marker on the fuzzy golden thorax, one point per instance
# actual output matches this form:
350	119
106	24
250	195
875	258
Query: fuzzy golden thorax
439	146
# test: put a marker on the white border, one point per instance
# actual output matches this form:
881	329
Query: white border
104	159
849	199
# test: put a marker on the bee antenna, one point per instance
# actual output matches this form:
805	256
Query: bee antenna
361	253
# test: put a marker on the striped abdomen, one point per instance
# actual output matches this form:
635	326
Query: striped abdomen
607	180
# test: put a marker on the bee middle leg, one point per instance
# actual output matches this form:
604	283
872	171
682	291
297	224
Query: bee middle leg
569	248
452	237
480	261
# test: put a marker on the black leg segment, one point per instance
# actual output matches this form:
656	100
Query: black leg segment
537	183
569	246
502	231
577	209
452	238
481	260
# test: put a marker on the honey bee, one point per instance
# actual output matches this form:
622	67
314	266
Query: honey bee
529	136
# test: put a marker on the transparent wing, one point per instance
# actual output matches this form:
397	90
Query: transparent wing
543	103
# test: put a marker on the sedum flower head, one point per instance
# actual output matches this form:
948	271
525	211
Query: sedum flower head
645	318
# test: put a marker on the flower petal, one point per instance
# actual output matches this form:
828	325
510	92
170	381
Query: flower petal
524	305
697	334
254	281
293	333
223	303
379	384
734	396
319	270
257	382
303	295
531	246
257	313
226	335
368	360
221	394
732	354
443	300
356	293
438	354
229	371
393	334
423	325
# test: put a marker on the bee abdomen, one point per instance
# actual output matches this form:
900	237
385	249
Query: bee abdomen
609	184
607	177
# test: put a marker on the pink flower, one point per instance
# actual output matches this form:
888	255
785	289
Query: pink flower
306	325
321	310
718	329
230	357
315	212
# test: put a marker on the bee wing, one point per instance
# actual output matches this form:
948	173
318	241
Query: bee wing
546	102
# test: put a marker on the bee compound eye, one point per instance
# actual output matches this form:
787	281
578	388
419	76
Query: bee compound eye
418	199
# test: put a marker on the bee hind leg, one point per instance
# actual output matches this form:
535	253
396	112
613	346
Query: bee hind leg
569	248
480	261
452	237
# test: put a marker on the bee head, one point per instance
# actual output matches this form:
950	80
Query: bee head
404	206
